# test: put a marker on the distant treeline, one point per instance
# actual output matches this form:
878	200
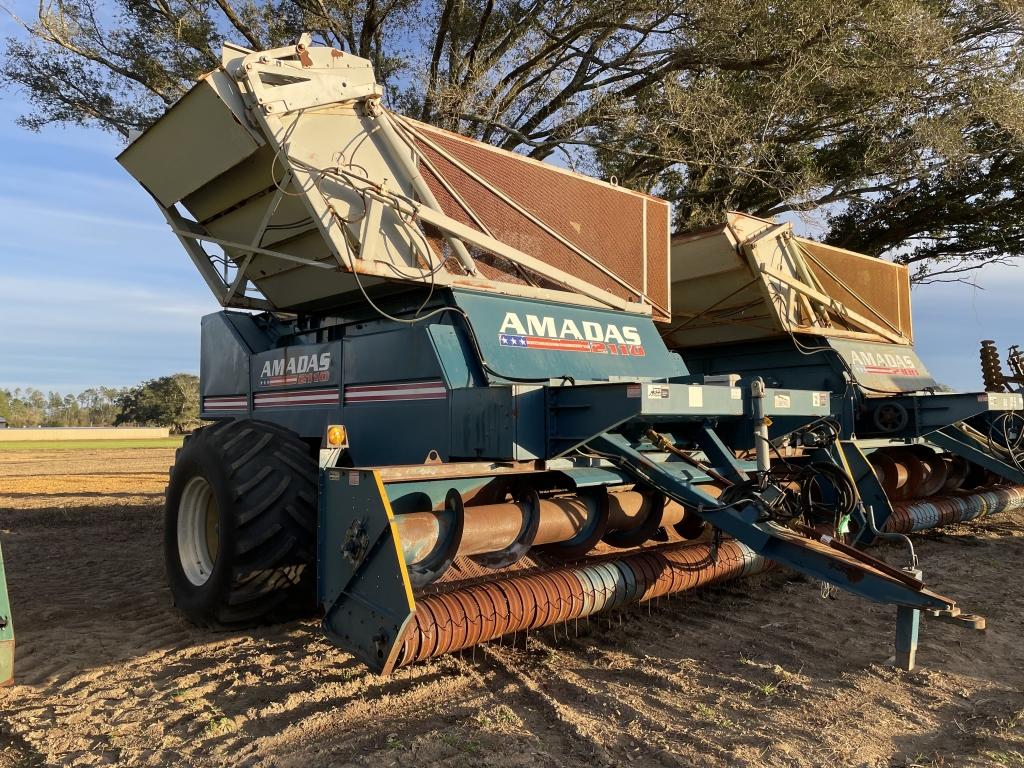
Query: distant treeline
170	401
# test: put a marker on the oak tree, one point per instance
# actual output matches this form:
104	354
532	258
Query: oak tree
897	126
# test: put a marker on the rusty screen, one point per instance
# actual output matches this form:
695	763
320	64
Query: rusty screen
876	289
614	238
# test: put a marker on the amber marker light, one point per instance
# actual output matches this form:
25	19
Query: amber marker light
336	437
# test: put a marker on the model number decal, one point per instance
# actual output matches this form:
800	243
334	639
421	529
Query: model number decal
298	369
885	364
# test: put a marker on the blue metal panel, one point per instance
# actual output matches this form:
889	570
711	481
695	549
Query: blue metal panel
498	422
884	367
577	413
818	363
386	433
545	340
302	366
362	581
483	423
308	422
395	354
781	364
224	366
298	387
530	413
928	412
397	429
258	332
456	356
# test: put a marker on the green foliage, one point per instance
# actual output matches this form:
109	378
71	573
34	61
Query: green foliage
170	401
94	407
897	124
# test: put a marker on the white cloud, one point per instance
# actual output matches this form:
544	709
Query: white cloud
17	209
24	178
40	296
74	334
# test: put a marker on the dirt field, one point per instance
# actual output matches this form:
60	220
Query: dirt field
757	673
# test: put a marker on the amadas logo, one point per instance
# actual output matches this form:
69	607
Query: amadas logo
544	332
298	369
884	363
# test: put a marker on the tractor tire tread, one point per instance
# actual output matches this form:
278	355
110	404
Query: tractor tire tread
268	476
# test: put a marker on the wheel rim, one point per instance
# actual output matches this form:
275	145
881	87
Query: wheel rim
198	531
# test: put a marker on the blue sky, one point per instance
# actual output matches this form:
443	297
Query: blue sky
94	289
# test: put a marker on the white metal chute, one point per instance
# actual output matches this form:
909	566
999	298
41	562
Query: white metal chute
752	278
287	160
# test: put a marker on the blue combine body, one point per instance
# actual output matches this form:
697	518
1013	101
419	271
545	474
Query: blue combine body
475	401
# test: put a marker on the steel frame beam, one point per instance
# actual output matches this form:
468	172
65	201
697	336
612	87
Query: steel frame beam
824	559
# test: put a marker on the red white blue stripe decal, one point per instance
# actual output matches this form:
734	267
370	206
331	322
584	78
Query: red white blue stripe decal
296	397
313	377
226	403
886	370
569	345
433	389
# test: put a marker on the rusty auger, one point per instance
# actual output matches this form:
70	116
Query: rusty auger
569	570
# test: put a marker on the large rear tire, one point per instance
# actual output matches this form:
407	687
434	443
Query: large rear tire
240	525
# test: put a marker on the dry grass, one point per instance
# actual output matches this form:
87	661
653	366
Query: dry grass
89	445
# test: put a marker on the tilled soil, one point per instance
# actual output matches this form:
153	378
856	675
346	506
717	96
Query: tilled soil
763	672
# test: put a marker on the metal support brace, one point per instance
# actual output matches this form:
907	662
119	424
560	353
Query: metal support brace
189	240
6	631
402	153
761	422
870	491
245	259
956	441
908	624
823	559
719	455
369	234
